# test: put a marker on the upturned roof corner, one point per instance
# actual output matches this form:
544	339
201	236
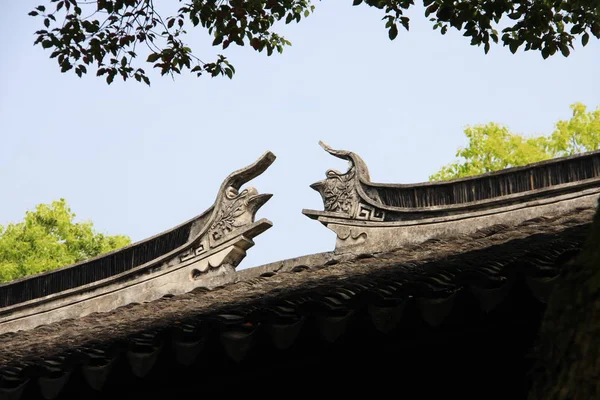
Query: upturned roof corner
202	252
372	217
469	259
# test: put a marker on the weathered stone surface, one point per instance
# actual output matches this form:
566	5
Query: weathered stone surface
239	314
371	218
217	242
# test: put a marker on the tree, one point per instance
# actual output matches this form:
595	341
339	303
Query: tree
48	238
580	133
493	147
107	33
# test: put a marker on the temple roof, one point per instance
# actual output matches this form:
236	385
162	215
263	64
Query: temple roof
457	265
430	273
194	254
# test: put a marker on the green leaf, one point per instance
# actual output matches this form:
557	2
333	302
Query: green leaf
356	2
585	38
577	29
33	13
513	46
564	49
393	32
153	57
545	52
46	44
405	23
431	9
65	66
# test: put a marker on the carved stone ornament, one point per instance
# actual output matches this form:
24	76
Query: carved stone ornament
237	210
369	213
370	217
233	211
202	252
340	190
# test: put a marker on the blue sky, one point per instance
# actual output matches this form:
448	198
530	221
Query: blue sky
138	160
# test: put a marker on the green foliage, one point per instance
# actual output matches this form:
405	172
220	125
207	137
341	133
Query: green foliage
580	133
106	33
492	147
48	238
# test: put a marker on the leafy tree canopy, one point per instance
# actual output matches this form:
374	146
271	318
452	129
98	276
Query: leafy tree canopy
48	238
108	34
493	147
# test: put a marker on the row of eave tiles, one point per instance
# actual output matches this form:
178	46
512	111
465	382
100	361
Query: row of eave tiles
432	287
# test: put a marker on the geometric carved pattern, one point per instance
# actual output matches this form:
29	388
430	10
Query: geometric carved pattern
369	213
192	253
